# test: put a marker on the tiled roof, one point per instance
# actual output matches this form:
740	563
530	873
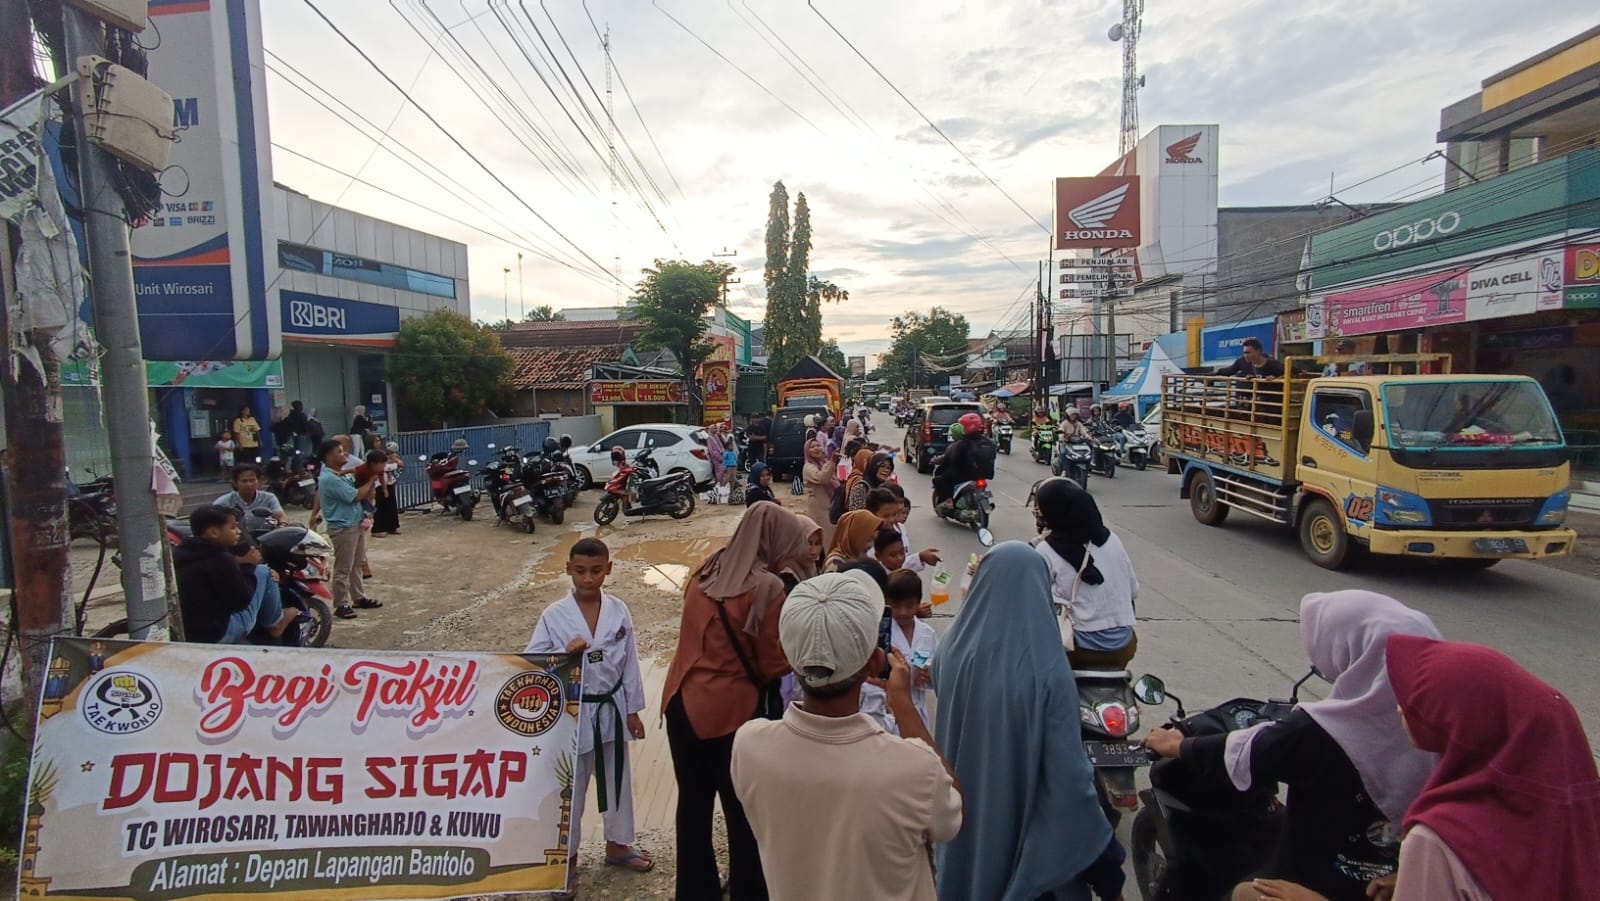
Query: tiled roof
570	334
559	367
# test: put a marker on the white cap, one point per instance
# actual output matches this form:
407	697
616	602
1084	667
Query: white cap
829	627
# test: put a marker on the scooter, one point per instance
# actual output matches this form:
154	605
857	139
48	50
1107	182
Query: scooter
1044	442
631	493
969	505
502	482
452	485
1192	839
1002	437
92	511
1108	714
1106	454
561	458
1139	447
1072	461
291	480
300	558
547	484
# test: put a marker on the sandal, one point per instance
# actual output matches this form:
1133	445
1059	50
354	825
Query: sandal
344	612
633	860
368	604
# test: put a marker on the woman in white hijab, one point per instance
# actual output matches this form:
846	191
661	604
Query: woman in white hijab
1350	770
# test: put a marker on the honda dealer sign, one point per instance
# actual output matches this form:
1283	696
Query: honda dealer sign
1097	212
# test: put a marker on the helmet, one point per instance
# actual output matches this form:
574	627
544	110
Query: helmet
288	547
1094	410
971	423
566	441
393	447
1073	412
957	432
811	421
1125	407
460	444
618	455
551	445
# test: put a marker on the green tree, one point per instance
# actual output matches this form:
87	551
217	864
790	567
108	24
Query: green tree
834	358
924	349
794	296
544	313
672	300
447	367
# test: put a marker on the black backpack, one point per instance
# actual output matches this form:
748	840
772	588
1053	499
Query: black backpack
836	505
983	455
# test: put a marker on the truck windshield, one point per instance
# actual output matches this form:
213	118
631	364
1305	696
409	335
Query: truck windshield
1428	416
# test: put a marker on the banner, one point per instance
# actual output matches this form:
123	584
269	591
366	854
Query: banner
166	771
717	378
632	392
1398	306
214	374
21	130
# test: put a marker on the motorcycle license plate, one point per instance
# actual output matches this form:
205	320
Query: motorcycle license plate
307	483
1116	753
555	492
522	501
463	489
1500	546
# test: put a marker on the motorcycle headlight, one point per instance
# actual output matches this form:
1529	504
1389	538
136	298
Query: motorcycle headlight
1399	508
1554	511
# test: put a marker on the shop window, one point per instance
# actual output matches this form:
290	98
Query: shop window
1334	414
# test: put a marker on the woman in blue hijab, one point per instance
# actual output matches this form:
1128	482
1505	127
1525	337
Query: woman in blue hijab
760	487
1008	724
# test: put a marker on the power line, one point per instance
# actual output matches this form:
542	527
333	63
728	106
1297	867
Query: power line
936	129
462	147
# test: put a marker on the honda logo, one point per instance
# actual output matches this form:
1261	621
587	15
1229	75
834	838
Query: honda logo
1417	232
1099	212
1182	152
305	314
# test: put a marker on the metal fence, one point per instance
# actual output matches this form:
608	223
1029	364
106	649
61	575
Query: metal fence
414	489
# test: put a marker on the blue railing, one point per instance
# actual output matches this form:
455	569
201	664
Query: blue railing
414	490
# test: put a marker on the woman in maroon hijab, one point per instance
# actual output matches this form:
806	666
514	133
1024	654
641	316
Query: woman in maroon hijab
1513	809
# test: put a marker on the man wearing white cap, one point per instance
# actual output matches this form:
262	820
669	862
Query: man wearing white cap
840	808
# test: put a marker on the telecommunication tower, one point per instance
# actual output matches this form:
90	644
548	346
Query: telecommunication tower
1127	32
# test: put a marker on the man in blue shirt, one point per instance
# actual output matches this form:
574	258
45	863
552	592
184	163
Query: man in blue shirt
341	509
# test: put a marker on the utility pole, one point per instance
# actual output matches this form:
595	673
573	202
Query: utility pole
505	292
1172	311
522	293
1111	338
724	254
34	461
126	394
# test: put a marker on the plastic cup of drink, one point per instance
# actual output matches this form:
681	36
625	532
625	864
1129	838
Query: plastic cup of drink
939	595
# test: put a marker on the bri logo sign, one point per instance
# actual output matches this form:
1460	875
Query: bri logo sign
305	314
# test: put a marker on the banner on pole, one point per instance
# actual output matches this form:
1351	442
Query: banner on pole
165	771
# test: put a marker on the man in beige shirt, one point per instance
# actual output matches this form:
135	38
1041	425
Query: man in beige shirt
840	808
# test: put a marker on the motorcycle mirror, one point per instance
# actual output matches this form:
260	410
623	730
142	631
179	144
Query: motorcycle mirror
1294	695
472	462
986	538
491	445
1150	690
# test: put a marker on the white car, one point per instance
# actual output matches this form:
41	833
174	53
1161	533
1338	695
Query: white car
678	448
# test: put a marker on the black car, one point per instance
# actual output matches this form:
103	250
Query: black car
928	432
786	444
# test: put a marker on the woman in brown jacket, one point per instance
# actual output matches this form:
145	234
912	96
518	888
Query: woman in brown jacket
729	627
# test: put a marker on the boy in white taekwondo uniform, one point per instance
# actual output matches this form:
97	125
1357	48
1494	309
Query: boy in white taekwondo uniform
599	625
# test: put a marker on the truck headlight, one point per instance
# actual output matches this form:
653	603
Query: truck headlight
1400	508
1554	511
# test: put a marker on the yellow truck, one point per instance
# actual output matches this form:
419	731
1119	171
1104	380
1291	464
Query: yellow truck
1391	454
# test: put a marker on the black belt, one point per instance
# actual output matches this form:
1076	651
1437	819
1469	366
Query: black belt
620	755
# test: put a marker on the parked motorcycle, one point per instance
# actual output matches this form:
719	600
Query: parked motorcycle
1072	460
1192	838
1002	437
561	458
452	485
546	482
291	480
502	482
632	493
92	511
1139	447
1044	442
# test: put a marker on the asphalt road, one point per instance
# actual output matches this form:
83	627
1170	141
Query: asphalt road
1219	606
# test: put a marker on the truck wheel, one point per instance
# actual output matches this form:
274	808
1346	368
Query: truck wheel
1208	510
1322	535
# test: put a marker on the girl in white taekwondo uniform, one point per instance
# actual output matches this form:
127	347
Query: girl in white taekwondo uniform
599	625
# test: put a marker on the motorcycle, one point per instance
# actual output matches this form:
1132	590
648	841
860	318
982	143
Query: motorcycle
1002	437
92	511
502	482
630	492
547	484
1044	442
1105	456
970	505
1139	447
291	480
1072	461
1108	714
1192	839
452	485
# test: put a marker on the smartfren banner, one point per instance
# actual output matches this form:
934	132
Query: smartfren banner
167	771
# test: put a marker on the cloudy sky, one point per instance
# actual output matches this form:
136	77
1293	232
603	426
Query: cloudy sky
1027	89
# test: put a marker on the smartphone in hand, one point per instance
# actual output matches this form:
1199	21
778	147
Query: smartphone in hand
885	640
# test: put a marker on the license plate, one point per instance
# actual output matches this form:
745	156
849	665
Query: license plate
1500	546
463	489
522	501
307	483
555	492
1116	753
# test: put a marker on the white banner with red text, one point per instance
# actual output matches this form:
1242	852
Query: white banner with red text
168	771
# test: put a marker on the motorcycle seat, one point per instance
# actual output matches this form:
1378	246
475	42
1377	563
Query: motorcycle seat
1101	675
663	480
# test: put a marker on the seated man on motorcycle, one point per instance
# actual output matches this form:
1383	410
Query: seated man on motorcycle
1122	421
1092	582
247	495
967	458
1072	428
223	591
1002	413
1041	416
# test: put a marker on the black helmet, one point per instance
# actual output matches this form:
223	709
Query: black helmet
551	445
566	441
287	548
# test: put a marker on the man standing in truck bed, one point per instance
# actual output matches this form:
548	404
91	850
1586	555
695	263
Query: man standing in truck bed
1254	364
